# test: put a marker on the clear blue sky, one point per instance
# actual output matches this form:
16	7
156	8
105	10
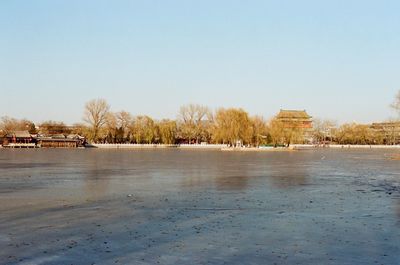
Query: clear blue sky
336	59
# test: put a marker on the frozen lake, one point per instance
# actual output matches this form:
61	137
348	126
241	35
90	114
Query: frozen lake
90	206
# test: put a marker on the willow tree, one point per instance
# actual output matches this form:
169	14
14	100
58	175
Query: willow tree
95	116
232	126
167	130
276	131
143	130
285	132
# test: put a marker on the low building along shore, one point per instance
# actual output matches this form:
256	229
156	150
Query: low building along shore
23	139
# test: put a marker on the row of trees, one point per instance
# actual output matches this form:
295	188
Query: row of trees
8	124
349	133
196	124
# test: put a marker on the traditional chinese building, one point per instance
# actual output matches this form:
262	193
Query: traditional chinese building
61	141
18	139
295	119
299	121
23	139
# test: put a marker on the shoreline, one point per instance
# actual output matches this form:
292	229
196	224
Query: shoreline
223	147
216	147
343	146
159	146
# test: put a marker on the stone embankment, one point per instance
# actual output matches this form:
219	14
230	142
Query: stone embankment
344	146
224	147
161	146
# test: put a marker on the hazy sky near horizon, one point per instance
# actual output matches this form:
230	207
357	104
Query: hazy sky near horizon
336	59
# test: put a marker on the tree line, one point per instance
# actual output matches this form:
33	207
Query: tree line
197	124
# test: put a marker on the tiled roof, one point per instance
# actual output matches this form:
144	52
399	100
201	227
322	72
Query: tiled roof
293	114
20	134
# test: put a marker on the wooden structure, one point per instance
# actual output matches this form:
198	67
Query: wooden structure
23	139
61	141
20	145
45	142
18	139
295	119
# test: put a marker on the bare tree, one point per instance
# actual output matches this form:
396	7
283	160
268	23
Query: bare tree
95	116
193	119
260	130
193	113
53	127
124	120
80	129
323	130
111	127
396	104
8	124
